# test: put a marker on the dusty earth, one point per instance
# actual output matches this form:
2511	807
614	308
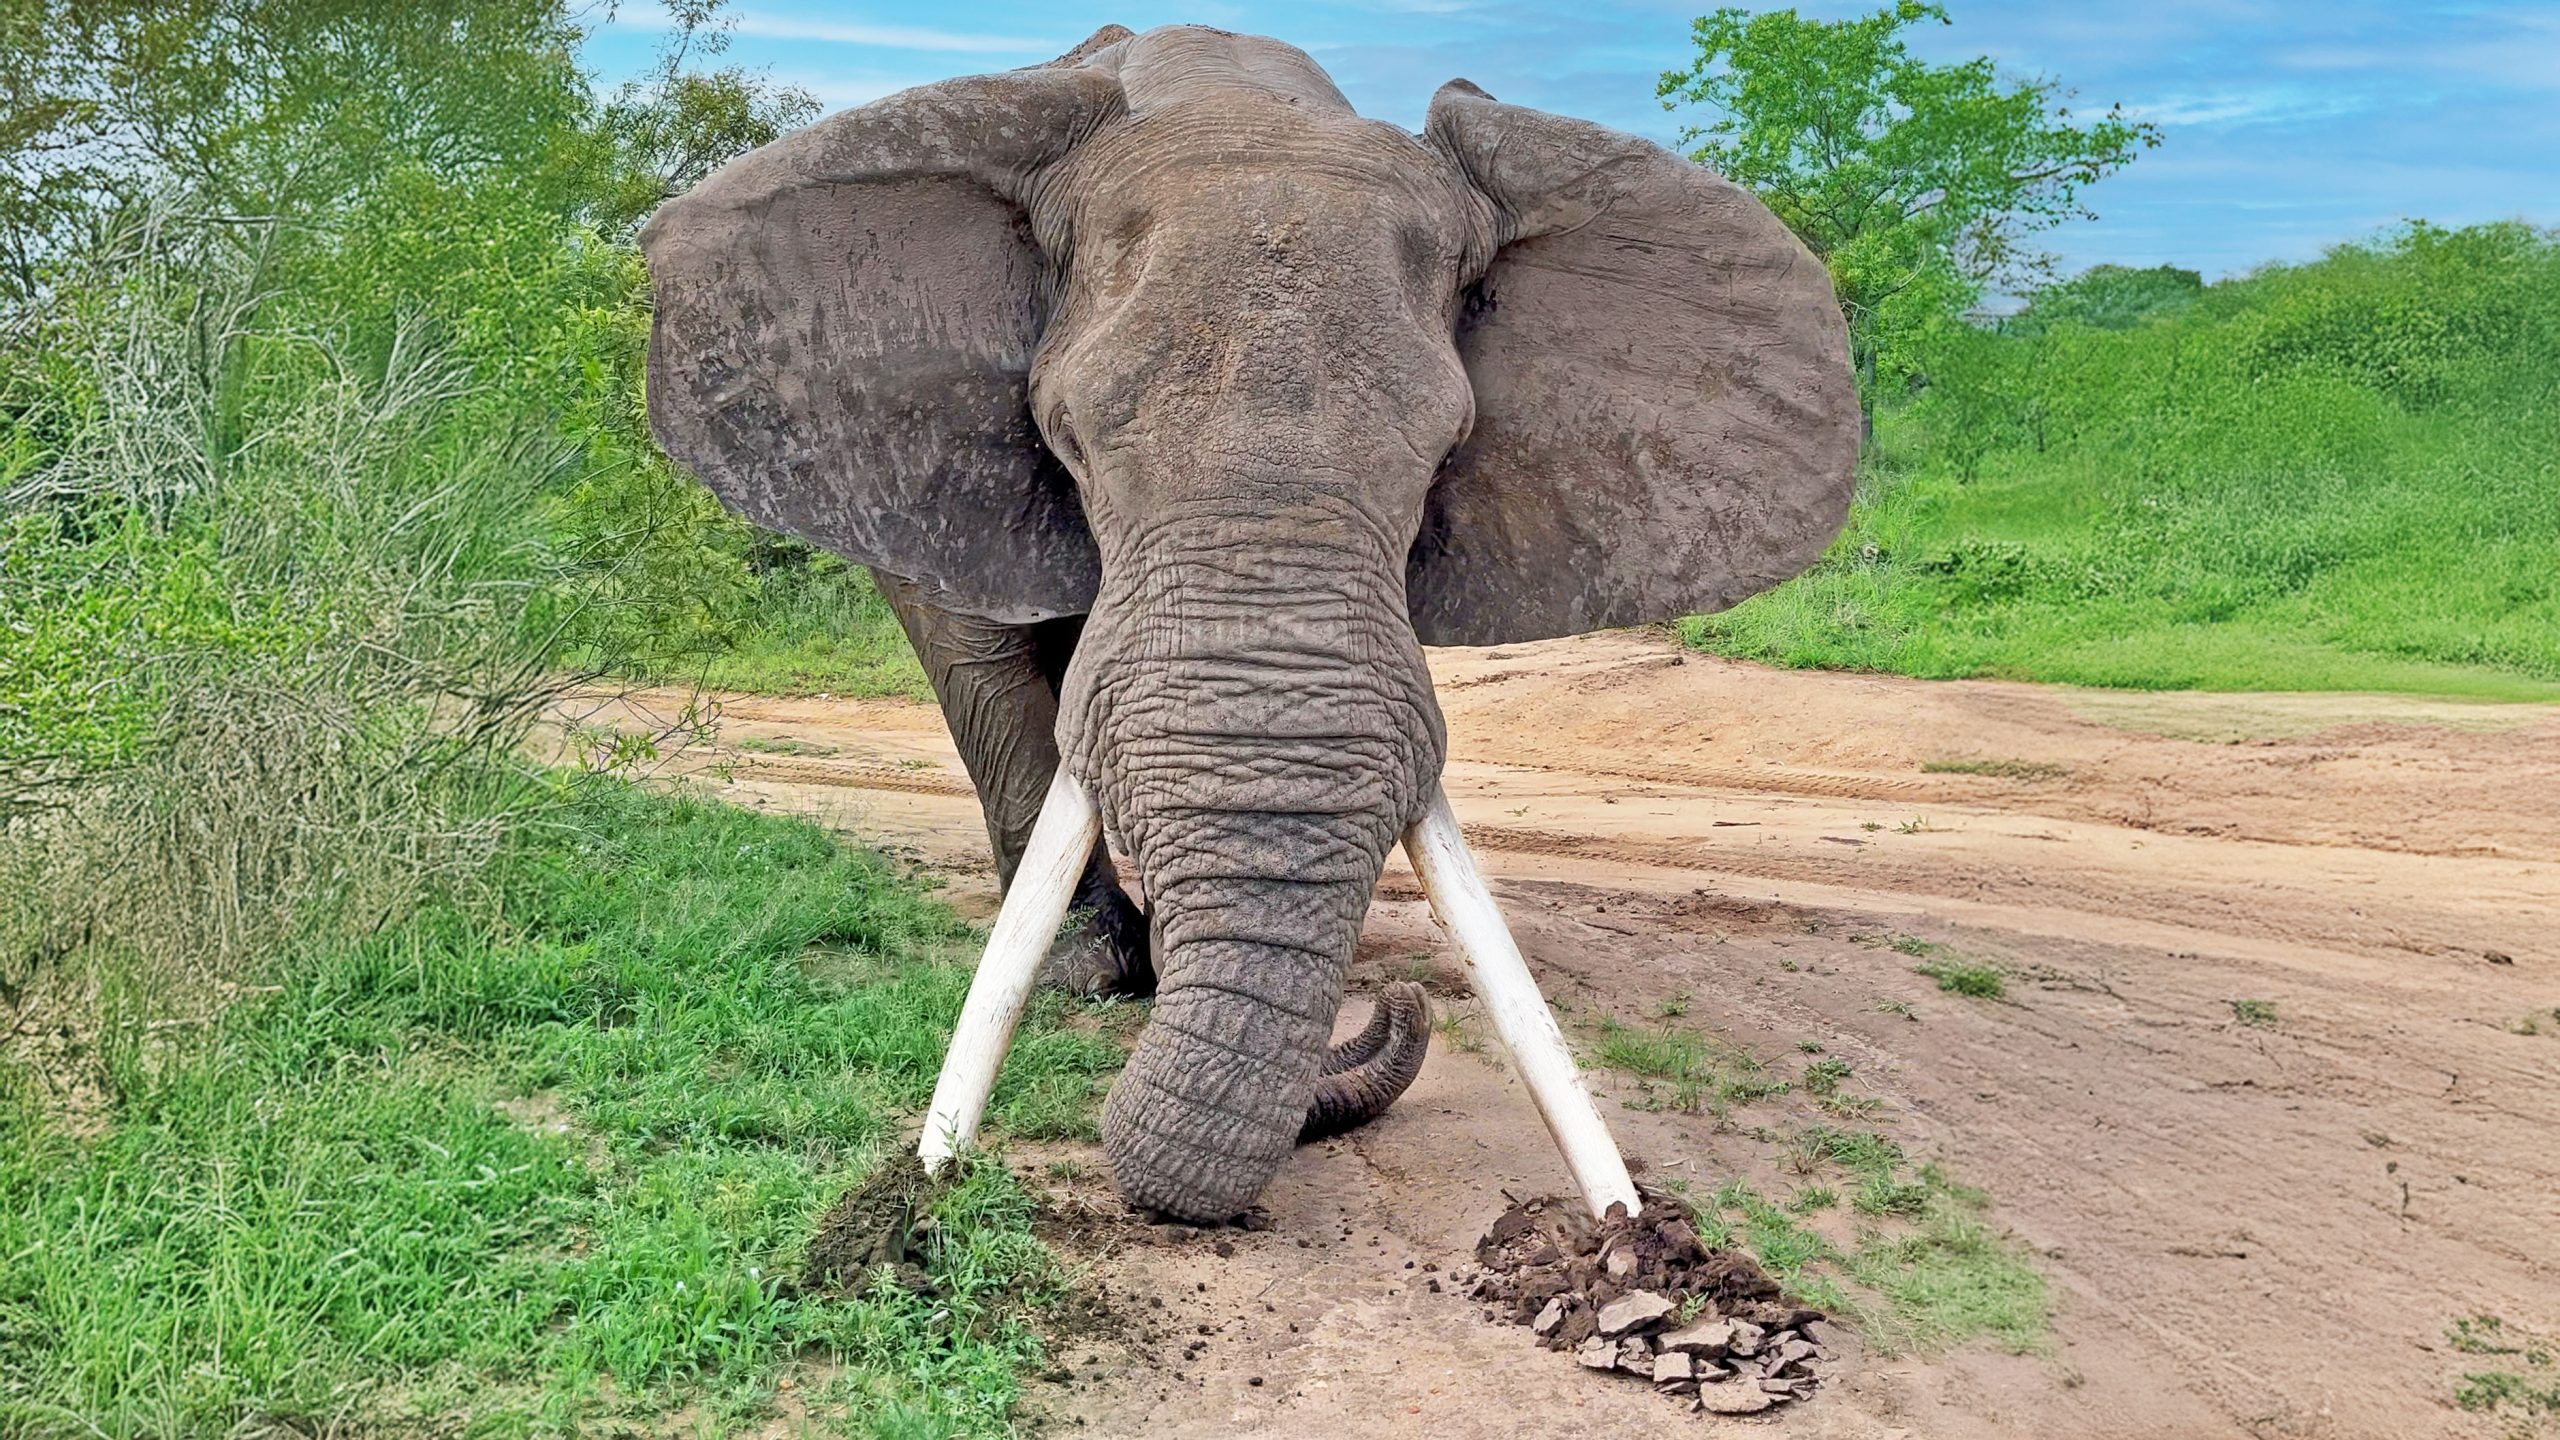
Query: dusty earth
2249	1228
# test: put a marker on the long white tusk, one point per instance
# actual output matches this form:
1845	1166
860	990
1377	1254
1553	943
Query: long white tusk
1033	908
1520	1014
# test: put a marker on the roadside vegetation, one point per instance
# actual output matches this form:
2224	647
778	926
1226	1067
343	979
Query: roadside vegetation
540	1164
355	1073
2339	475
1835	1210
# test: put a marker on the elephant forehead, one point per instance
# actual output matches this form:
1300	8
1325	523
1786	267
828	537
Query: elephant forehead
1184	64
1261	177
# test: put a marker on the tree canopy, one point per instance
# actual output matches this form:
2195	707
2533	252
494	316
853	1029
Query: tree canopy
1920	185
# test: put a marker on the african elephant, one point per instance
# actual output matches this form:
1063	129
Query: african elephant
1164	336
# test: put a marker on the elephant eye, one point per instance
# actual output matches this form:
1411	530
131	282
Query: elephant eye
1061	433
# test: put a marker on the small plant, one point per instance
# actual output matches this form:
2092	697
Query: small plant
1673	1008
1823	1077
1898	1007
1916	825
1812	1198
1871	826
1914	945
783	745
1461	1036
1979	982
2533	1394
1804	1154
2258	1013
2481	1335
1998	769
1417	967
1849	1107
1810	1047
1891	1195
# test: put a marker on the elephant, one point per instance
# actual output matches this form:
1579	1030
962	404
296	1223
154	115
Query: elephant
1177	407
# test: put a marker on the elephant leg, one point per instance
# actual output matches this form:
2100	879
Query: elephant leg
998	685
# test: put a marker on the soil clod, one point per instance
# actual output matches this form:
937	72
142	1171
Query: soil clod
1645	1297
885	1220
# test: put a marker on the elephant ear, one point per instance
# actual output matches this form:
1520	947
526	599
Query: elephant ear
844	327
1666	421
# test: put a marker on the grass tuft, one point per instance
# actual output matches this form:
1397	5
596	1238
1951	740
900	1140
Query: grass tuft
2257	1013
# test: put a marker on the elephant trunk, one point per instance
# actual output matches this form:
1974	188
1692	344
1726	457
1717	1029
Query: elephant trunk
1258	751
1223	1078
1366	1073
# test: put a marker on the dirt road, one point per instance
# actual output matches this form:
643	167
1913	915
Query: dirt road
2252	1226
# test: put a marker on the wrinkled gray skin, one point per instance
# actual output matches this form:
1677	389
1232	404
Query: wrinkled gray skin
1163	335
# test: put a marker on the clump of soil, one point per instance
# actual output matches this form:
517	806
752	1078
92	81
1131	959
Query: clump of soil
1645	1298
885	1220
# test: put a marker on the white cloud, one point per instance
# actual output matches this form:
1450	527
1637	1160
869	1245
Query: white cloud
770	26
839	91
2515	49
2240	107
896	37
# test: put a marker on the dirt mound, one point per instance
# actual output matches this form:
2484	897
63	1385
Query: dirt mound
884	1220
1646	1298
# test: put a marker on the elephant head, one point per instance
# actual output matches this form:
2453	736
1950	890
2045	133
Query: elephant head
1165	334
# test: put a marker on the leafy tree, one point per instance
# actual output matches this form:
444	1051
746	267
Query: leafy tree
666	133
1919	185
2109	297
275	120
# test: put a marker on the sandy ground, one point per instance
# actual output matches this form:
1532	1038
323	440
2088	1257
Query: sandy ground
2250	1230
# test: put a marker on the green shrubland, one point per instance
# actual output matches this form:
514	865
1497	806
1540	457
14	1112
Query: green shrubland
540	1164
355	1073
2337	475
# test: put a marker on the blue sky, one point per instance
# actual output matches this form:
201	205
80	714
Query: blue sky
2288	125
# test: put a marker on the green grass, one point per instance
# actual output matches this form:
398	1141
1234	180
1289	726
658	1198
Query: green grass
783	745
2336	476
1998	769
1694	1071
1979	982
2524	1390
2258	1013
543	1176
819	628
1956	974
1923	1271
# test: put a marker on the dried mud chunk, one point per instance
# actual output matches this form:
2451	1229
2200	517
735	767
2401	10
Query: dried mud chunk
1607	1289
1639	1309
1787	1352
1706	1337
1734	1397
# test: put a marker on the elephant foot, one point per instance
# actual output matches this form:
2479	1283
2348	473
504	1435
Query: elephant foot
1102	949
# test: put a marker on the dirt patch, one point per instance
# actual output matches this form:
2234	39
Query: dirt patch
2247	1229
1643	1298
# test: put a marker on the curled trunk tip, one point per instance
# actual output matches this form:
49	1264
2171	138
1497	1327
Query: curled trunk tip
1365	1074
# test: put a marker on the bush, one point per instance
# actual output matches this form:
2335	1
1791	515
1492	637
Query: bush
2338	475
268	689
